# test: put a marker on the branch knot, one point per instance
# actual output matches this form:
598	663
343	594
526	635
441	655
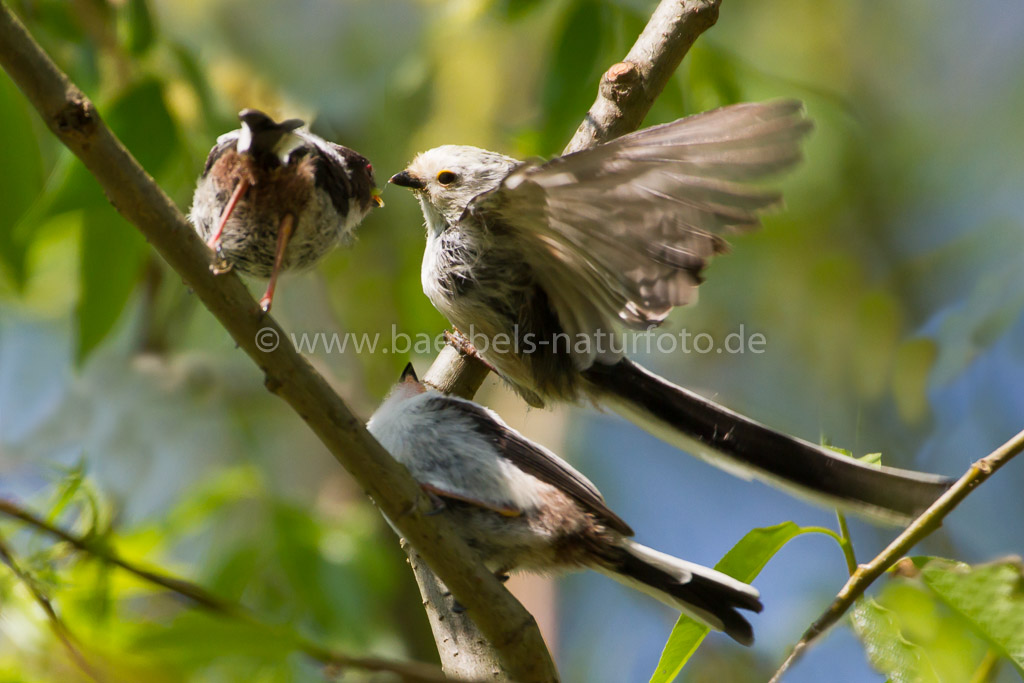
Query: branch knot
78	116
621	83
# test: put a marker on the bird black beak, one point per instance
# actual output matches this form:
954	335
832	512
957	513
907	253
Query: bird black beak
409	374
406	179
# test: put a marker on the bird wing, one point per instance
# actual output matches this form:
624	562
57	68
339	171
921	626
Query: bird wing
224	143
537	461
337	172
629	225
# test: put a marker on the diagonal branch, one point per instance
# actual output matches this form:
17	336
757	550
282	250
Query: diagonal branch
629	88
75	121
625	95
929	521
416	672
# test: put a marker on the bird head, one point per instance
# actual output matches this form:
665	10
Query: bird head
446	179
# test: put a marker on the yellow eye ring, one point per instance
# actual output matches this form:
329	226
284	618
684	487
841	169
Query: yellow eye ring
446	177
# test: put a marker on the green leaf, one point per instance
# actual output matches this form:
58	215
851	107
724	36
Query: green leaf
112	250
67	488
21	185
138	31
512	10
576	68
112	255
712	77
142	122
871	458
990	597
195	638
886	647
744	562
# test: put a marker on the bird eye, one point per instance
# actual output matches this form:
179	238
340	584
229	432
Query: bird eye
446	177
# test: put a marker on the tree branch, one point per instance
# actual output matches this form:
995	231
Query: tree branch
929	521
629	88
625	95
417	672
74	120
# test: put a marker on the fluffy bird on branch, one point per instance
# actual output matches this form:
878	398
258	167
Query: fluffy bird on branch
273	197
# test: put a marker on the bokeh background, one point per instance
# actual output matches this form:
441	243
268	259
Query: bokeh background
890	292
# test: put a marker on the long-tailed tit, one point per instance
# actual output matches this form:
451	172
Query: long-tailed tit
524	508
273	196
549	258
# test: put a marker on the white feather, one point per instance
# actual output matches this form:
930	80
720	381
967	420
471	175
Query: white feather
448	452
244	139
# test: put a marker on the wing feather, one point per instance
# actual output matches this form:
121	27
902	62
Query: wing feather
628	226
537	461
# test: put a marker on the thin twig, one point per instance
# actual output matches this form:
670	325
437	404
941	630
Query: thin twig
408	671
988	668
929	521
846	542
75	121
95	547
60	629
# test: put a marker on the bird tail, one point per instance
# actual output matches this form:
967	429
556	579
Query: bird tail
704	594
750	450
262	135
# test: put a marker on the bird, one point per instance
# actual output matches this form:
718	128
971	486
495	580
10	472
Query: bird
273	196
523	508
544	261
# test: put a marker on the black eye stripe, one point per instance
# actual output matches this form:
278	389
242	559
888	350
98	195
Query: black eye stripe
446	177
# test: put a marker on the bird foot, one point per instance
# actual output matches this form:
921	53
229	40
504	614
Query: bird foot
460	342
220	263
437	502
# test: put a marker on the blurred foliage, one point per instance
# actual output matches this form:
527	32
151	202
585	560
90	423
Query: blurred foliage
297	572
890	291
946	621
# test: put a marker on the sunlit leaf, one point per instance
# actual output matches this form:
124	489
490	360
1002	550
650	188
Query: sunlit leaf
990	597
744	562
887	648
913	633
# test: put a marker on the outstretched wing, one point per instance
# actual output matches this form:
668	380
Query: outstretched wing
629	225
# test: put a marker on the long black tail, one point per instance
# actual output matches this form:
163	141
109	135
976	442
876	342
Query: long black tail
741	446
707	595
